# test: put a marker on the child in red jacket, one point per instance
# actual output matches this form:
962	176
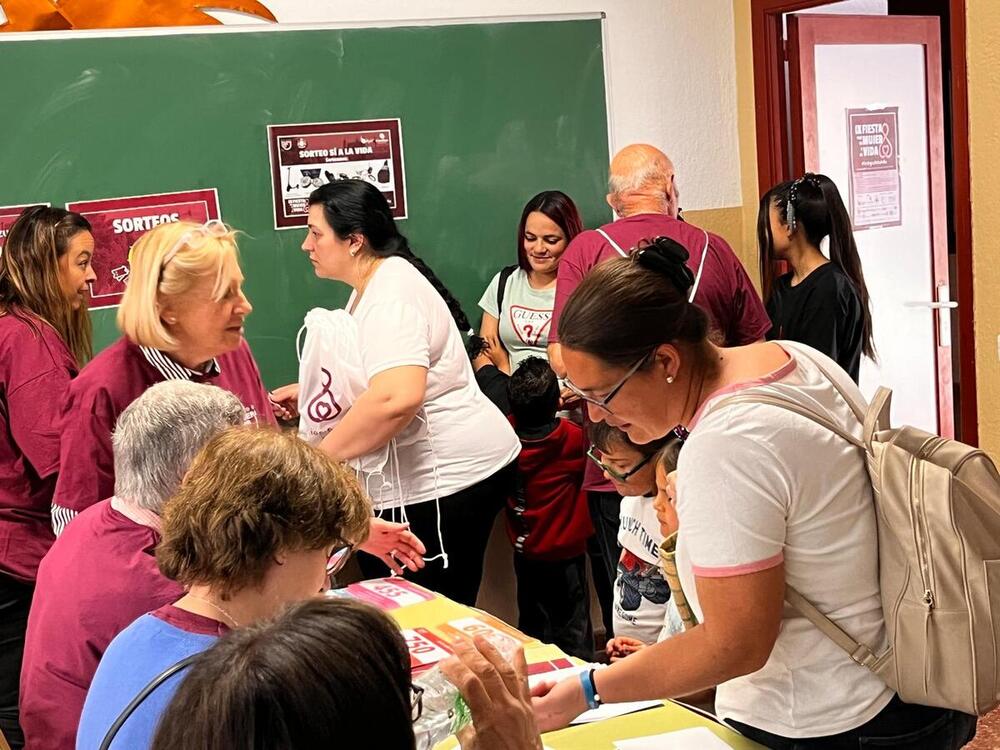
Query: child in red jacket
547	519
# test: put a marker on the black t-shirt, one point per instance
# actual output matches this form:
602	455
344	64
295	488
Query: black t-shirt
822	311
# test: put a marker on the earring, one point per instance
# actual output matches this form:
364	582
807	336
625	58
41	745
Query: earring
670	379
352	252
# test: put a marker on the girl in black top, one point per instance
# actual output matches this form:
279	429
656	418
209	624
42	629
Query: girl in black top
822	303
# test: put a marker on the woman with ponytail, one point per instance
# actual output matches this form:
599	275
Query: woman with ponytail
44	340
451	452
820	302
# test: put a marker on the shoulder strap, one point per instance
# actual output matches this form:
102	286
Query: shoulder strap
794	406
613	244
505	273
701	267
859	652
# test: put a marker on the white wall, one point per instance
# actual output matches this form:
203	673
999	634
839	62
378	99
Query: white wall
671	63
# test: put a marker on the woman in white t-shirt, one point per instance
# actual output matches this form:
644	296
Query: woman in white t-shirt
520	329
764	496
450	451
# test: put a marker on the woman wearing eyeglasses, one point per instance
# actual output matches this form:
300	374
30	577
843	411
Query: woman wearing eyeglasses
763	496
182	317
336	673
44	340
260	522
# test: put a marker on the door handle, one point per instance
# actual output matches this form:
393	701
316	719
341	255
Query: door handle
943	319
949	304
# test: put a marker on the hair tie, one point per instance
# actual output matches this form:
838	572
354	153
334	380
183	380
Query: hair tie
668	258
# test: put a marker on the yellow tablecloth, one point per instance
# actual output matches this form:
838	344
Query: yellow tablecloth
597	736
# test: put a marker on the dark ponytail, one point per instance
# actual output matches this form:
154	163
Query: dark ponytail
626	307
812	204
358	207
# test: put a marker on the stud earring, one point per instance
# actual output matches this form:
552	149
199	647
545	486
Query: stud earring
670	379
353	252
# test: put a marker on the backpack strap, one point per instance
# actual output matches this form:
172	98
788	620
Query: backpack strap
701	267
859	652
615	245
794	406
877	417
505	273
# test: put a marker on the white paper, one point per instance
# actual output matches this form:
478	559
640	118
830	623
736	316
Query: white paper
605	711
696	738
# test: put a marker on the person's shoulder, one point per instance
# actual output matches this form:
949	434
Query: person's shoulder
587	241
34	339
111	371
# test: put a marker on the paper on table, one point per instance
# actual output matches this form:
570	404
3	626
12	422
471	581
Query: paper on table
697	738
606	711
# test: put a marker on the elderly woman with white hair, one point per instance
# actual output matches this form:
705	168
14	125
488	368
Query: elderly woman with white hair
101	573
182	317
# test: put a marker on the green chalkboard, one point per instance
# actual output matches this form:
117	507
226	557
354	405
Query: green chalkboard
490	114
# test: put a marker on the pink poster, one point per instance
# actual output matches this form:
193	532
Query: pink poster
8	215
119	222
306	156
873	140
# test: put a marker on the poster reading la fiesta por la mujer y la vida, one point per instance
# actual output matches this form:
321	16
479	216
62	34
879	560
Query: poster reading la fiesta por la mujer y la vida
119	222
8	215
875	187
308	155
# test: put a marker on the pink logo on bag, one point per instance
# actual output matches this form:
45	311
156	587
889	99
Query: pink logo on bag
323	406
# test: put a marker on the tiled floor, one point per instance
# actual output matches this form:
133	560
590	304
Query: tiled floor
988	733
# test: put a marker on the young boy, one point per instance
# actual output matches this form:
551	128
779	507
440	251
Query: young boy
547	519
641	594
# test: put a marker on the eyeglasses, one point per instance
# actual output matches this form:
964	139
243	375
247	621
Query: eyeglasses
603	402
338	558
618	476
416	702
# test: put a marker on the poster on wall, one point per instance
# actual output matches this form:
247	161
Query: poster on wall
875	191
306	156
8	215
119	222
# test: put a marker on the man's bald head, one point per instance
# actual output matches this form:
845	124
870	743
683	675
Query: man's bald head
641	180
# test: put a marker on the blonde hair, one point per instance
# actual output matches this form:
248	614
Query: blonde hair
164	264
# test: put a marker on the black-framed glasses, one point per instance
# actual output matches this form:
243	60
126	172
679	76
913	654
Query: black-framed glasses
618	476
416	702
338	558
603	402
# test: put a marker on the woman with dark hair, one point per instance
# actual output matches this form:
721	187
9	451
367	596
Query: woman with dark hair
45	270
334	673
446	453
754	512
820	302
516	318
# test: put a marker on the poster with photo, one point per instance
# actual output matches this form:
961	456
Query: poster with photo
8	215
306	156
875	189
119	222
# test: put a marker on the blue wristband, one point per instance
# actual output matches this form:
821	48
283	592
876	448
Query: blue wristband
589	689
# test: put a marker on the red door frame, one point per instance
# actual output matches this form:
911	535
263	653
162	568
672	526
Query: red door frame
772	168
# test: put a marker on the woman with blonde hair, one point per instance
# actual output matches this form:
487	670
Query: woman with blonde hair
260	522
182	318
44	339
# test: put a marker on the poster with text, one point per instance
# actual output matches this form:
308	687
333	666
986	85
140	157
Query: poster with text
8	215
119	222
306	156
873	140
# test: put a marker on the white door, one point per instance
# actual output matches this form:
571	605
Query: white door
869	111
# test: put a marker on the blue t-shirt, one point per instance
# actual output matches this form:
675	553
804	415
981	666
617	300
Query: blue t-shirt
134	658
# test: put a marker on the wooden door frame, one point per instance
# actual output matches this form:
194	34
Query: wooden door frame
772	168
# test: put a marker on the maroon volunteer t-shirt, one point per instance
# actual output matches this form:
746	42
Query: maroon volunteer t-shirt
114	379
725	291
35	370
99	576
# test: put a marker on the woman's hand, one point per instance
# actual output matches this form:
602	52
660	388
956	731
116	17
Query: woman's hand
395	545
556	707
497	695
285	401
622	646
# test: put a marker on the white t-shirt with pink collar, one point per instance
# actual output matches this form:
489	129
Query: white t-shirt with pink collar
757	486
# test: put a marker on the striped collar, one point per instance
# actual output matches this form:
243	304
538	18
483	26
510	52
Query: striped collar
141	516
171	370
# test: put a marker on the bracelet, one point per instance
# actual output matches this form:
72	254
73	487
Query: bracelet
589	689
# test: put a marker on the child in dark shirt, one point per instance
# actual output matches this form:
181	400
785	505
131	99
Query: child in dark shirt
547	519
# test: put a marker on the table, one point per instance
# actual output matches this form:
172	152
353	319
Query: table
415	607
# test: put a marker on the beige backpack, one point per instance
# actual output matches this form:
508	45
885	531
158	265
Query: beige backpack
937	505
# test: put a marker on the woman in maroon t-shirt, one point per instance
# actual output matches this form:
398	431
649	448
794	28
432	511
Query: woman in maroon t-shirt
44	337
182	315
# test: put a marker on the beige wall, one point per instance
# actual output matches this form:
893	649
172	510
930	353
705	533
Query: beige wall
984	97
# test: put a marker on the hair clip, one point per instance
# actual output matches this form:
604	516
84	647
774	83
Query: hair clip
669	258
